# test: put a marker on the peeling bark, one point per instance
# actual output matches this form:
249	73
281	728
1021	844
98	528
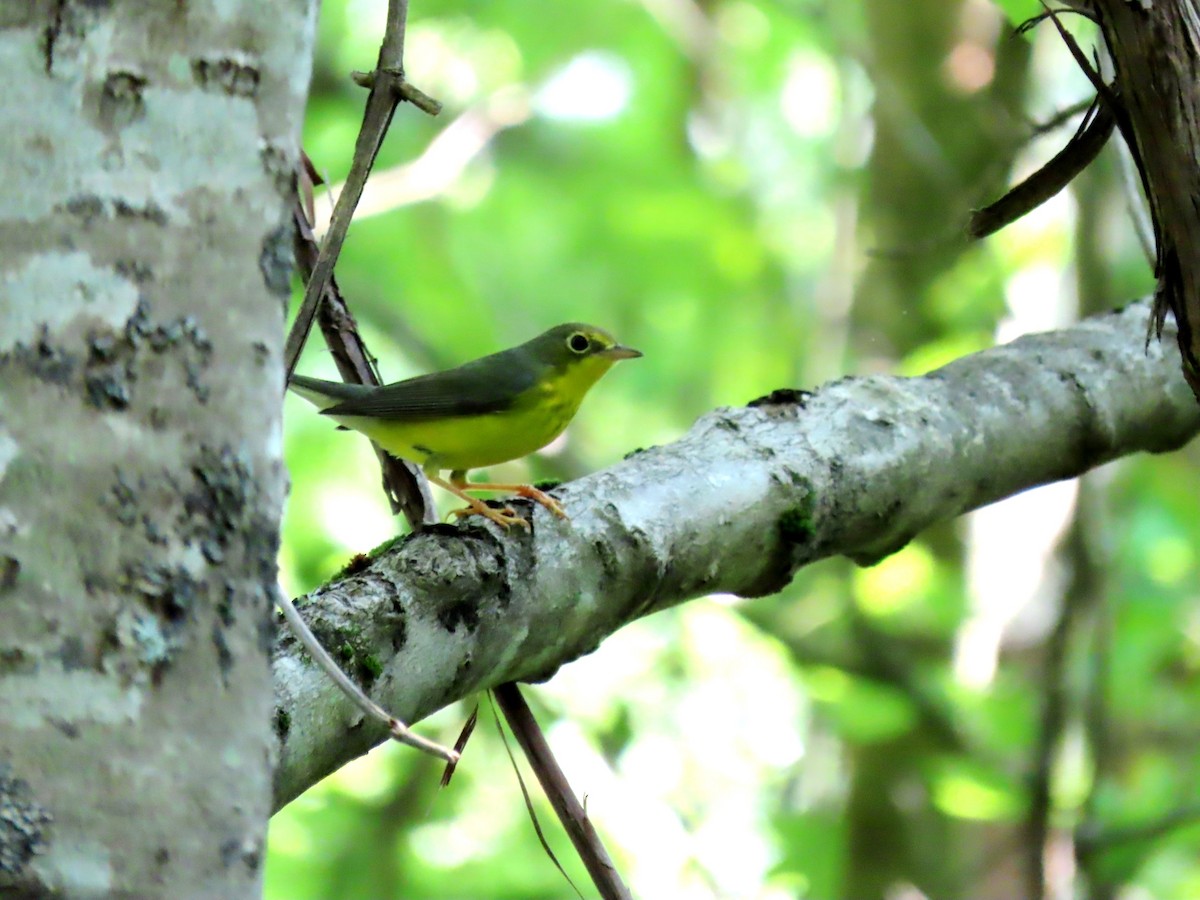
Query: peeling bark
1155	49
737	505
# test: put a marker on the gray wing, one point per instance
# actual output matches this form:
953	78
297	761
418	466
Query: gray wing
487	385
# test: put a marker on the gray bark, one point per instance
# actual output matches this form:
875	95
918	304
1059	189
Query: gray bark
737	505
149	151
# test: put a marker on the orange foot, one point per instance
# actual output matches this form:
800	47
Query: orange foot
458	485
506	517
528	490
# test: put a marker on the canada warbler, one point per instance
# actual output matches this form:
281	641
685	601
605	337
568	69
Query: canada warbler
484	412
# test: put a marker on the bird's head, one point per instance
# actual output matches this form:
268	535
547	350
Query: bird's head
580	352
575	343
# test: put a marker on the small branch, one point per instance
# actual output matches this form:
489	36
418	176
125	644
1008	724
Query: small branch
1094	521
1060	118
404	90
391	49
533	817
459	745
1107	94
387	90
445	158
405	487
1051	178
398	730
1139	214
570	811
403	483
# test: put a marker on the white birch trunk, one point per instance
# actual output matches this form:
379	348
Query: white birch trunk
148	151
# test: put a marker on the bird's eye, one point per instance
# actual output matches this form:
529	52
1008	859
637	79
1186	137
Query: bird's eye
578	342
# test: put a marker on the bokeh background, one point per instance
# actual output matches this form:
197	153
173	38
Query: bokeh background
764	194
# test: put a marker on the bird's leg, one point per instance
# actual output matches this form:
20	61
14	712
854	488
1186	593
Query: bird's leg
458	486
521	490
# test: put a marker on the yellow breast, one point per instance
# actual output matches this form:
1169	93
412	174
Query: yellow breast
472	442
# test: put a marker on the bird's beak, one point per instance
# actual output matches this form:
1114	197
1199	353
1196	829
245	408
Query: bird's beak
619	351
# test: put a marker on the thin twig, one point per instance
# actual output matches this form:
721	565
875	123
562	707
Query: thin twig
398	729
405	486
459	745
533	817
1051	178
388	88
570	811
1105	92
1082	598
403	483
1131	181
1060	118
1168	286
1055	708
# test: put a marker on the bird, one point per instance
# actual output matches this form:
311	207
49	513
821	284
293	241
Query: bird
487	411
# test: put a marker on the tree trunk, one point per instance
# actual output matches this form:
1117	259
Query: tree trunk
1155	50
144	219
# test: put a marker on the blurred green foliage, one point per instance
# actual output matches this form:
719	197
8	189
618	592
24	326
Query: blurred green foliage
764	194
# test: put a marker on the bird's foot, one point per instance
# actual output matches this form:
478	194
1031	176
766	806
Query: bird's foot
506	517
528	490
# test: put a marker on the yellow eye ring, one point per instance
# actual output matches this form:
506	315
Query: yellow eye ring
578	342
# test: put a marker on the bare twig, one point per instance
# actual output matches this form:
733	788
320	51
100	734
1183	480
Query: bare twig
459	745
406	91
1051	178
537	825
388	88
405	486
1139	214
1078	632
570	811
1111	99
445	157
1106	93
399	731
403	483
1060	118
1055	711
1093	520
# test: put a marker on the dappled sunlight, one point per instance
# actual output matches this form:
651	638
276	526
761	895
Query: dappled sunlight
592	87
1011	576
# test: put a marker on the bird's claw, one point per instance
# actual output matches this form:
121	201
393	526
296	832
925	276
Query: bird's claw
543	498
505	518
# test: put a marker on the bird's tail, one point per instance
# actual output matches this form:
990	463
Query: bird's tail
324	394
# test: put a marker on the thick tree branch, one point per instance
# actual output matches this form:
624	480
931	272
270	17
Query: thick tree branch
737	505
